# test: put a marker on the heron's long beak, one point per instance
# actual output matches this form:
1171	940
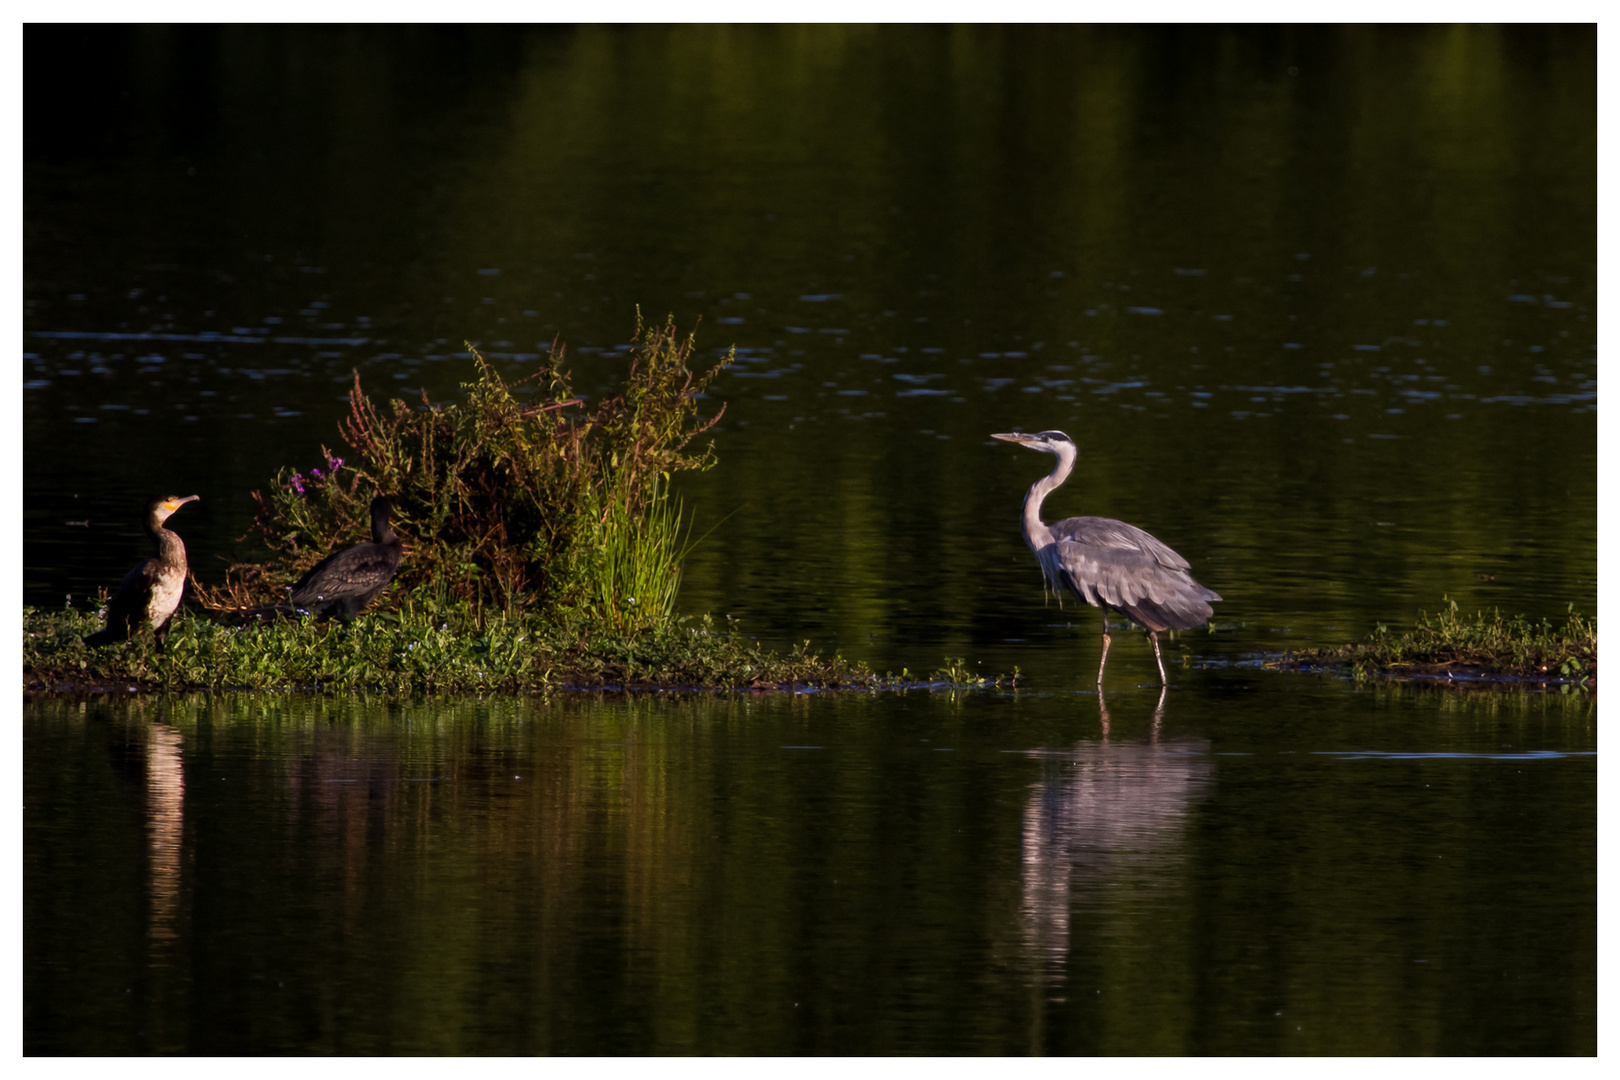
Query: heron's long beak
1024	440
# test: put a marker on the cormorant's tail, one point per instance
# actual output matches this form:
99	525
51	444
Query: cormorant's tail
243	616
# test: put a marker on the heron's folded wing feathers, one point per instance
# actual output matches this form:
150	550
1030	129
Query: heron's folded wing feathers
1110	562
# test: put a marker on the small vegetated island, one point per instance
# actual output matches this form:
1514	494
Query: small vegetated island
1451	646
521	540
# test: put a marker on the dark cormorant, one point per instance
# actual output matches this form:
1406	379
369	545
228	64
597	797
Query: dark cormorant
150	592
346	581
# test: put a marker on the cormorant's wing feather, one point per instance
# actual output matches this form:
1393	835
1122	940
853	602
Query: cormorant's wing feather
354	571
129	599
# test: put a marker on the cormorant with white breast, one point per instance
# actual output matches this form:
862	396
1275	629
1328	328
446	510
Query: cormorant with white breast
150	592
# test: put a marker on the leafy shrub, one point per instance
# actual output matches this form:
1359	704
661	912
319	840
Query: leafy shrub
516	504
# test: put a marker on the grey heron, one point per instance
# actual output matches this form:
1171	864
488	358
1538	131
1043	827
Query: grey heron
1108	563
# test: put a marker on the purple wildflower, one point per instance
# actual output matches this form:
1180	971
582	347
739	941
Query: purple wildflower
316	473
298	482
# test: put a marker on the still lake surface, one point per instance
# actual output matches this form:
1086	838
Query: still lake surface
1318	305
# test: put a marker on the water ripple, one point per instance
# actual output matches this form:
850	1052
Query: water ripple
1410	755
148	335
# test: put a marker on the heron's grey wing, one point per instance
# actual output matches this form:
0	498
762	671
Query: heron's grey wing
1110	562
1109	535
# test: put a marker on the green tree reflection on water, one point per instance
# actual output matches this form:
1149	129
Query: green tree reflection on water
676	876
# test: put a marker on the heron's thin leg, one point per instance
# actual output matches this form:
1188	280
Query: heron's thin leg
1106	639
1158	716
1163	681
1102	711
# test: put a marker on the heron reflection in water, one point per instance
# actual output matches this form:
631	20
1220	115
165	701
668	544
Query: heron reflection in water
1108	563
1106	816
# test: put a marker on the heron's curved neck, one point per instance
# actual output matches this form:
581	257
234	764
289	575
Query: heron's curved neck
1036	534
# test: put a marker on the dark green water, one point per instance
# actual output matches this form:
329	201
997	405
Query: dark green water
1282	866
1318	304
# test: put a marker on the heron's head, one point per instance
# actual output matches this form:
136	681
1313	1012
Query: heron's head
1050	442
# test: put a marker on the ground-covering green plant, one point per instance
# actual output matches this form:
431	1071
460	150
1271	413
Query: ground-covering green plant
515	500
1491	644
423	648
